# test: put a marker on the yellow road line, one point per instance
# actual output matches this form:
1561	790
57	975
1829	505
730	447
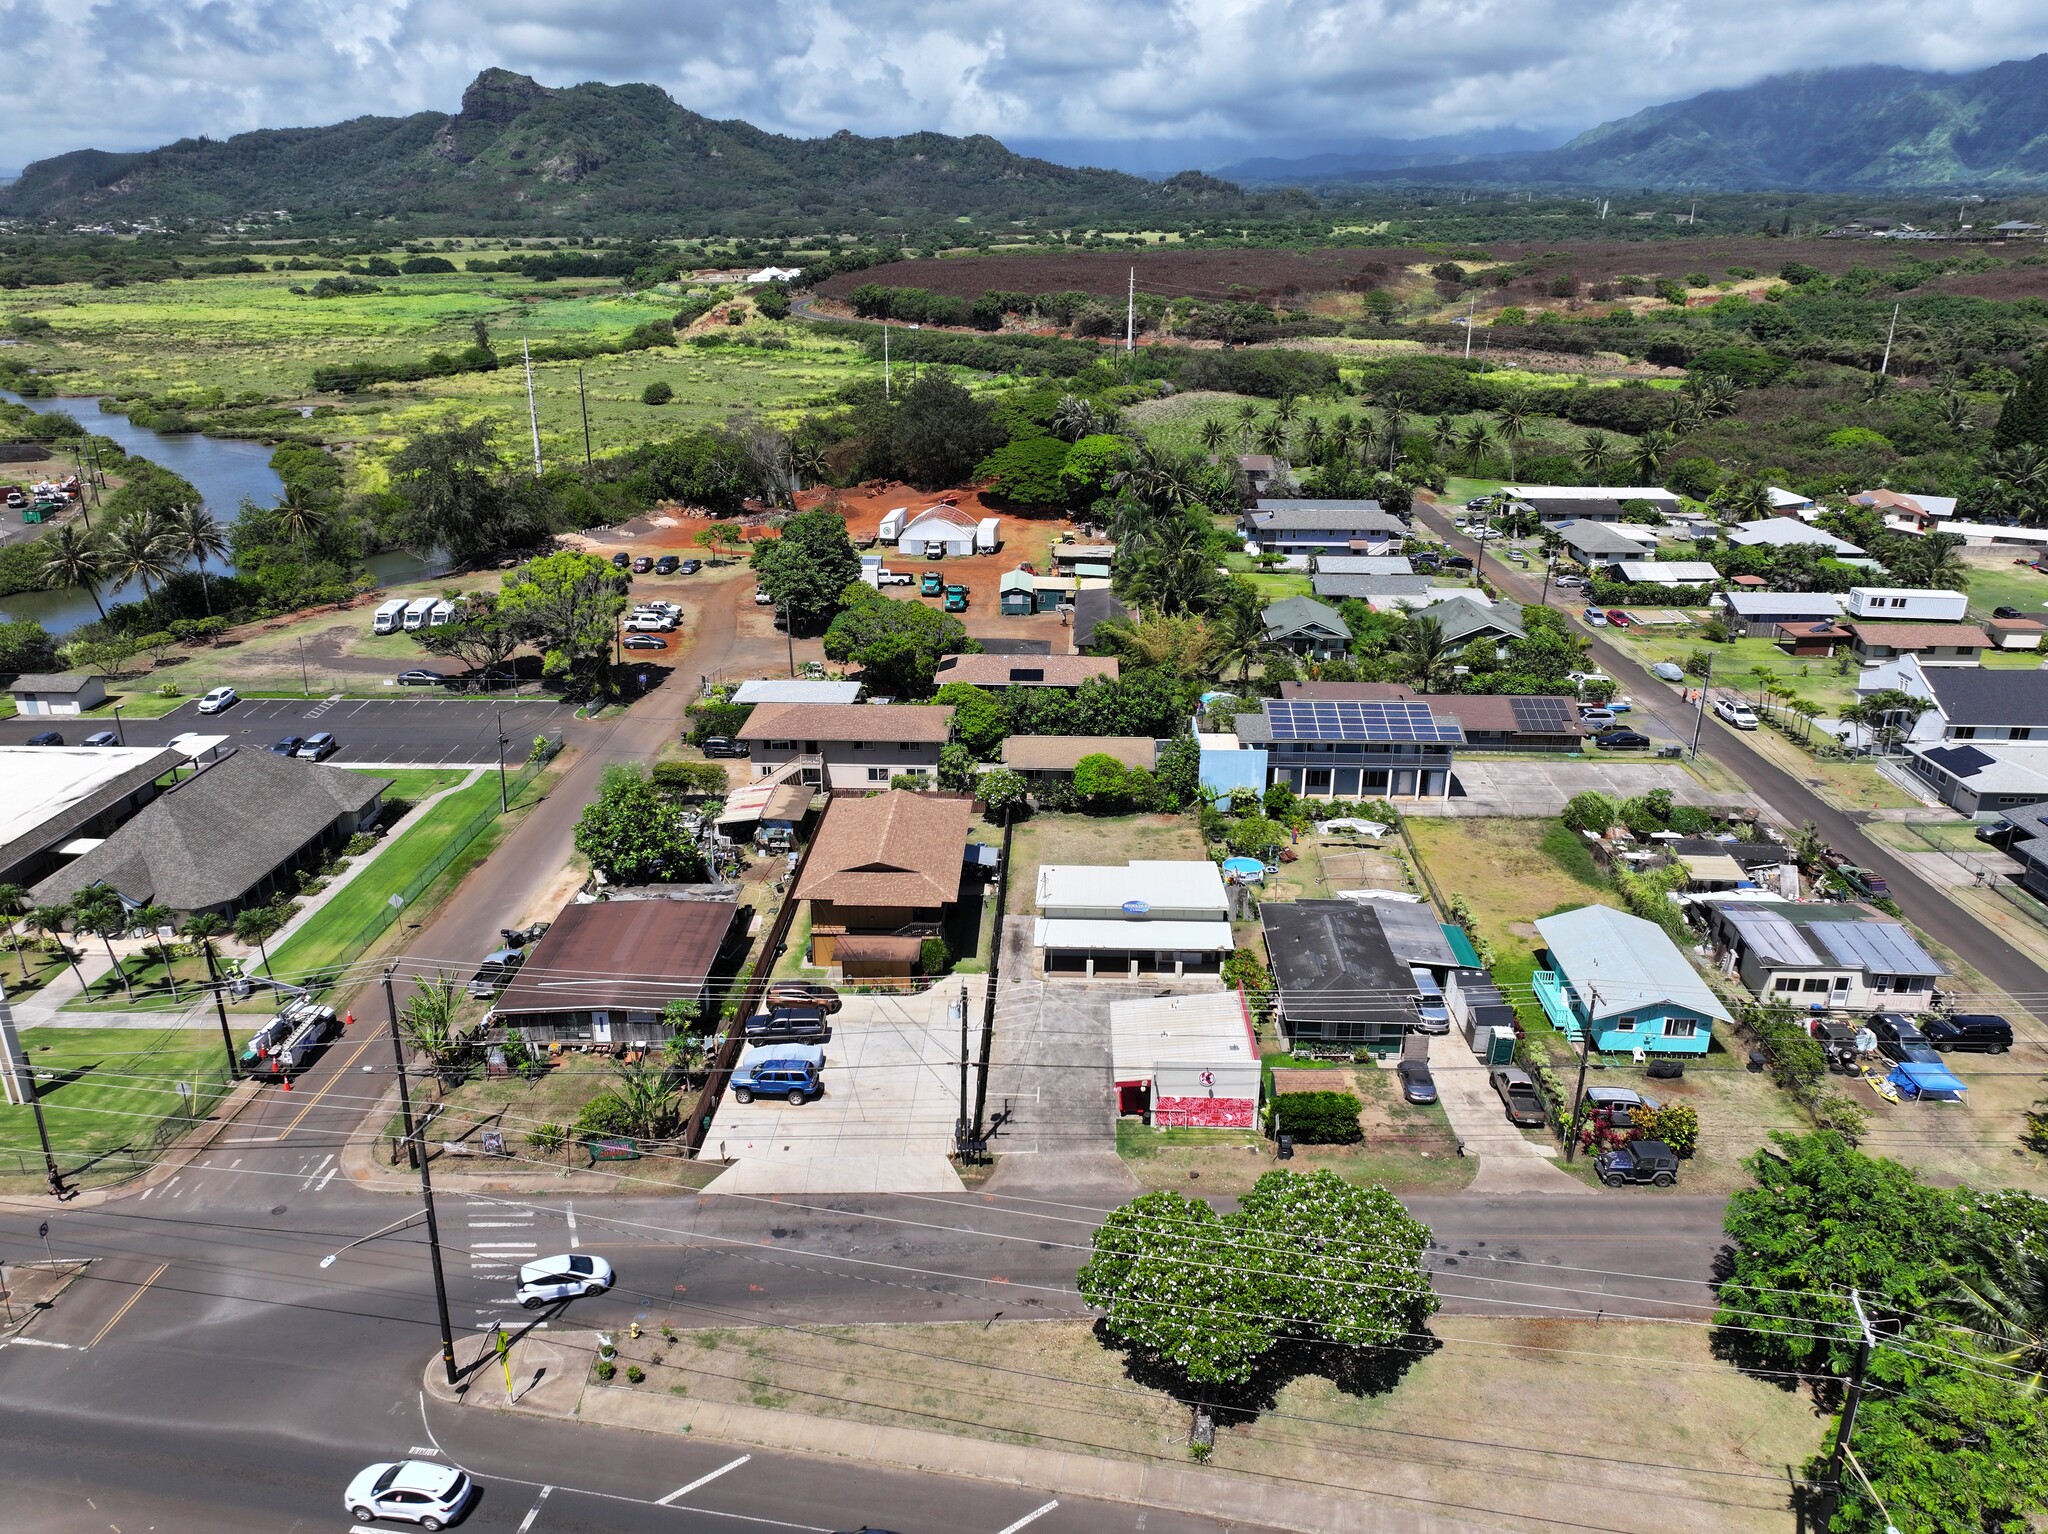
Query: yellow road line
334	1081
129	1304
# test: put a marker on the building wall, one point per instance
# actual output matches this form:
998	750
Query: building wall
848	764
1204	1112
1650	1032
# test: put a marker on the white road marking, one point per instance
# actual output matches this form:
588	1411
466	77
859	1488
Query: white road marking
1029	1518
702	1480
322	1184
499	1224
534	1511
569	1214
501	1246
37	1342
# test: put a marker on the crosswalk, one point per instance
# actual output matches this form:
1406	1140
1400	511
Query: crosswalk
500	1239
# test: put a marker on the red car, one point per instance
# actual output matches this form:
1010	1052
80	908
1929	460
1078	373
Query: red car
1618	618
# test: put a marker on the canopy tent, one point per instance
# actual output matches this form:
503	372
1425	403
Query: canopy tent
1915	1079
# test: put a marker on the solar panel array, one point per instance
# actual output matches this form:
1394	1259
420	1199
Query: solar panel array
1301	719
1542	716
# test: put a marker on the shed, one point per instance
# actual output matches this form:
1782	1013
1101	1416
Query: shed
1016	594
1811	639
42	695
942	529
1186	1061
2016	633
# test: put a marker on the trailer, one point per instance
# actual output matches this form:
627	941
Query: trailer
389	616
417	611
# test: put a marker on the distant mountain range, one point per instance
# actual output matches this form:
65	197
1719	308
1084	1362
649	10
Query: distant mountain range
1872	127
520	154
1372	155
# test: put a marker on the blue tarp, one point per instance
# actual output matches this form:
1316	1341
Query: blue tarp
1915	1079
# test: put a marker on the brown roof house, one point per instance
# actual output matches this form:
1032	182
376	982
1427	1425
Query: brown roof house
1937	644
845	747
604	972
881	876
1044	758
1026	670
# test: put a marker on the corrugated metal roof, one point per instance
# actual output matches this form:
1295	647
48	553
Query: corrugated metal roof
1208	1028
796	690
1414	933
1878	947
1631	962
1773	939
1170	886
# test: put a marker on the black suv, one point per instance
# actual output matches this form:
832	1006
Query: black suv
1970	1030
789	1025
666	565
1899	1038
722	745
1650	1161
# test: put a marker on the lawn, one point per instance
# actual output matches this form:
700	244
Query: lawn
147	984
42	967
112	1087
1495	1422
1112	839
1995	581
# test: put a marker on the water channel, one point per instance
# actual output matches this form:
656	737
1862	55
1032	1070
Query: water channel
224	472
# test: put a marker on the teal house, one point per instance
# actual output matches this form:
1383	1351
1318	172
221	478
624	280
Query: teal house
1626	981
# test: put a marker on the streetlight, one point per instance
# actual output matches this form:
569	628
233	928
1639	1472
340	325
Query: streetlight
395	1225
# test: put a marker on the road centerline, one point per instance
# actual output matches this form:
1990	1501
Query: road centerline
128	1305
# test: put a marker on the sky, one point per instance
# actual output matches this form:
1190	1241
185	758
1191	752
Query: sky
1148	85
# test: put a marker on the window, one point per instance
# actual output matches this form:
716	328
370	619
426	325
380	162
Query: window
1963	732
1624	1025
1785	983
781	745
2024	732
1680	1027
878	774
1815	983
904	745
1841	982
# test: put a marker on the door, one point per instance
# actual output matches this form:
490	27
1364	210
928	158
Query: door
600	1027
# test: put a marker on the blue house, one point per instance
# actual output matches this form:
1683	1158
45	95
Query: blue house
1624	979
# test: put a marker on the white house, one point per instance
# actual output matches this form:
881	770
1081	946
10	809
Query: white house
1782	532
1665	572
1166	918
1186	1061
940	528
1907	604
1792	503
1656	495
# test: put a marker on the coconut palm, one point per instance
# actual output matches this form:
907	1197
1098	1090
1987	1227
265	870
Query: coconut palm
1393	423
1342	430
257	925
14	906
1443	434
1213	435
1074	418
1808	711
299	519
1272	438
98	910
1596	452
1247	420
2006	1299
151	919
142	548
1955	412
1747	500
1930	562
1651	449
203	930
430	1026
73	557
1313	435
1164	481
1238	635
199	536
48	921
1286	410
2017	477
1511	424
1424	654
1475	443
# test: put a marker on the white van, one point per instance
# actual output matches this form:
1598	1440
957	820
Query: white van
442	612
388	617
416	613
1432	1015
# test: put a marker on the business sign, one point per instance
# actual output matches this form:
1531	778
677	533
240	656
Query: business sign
1135	908
613	1150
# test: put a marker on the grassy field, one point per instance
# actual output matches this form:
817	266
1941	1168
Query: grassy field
1995	581
1460	1433
112	1087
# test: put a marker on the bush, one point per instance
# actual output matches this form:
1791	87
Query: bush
1243	968
635	1374
1318	1118
547	1138
1676	1124
657	393
934	957
1589	811
604	1369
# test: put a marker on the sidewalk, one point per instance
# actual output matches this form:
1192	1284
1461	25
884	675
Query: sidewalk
550	1378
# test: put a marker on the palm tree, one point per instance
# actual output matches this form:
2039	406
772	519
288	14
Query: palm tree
1511	421
256	925
72	557
1164	481
1272	438
1443	434
1285	411
141	548
1747	501
429	1025
2018	478
1213	435
151	918
1808	711
199	536
1239	635
1424	654
1596	452
1955	412
299	519
203	929
1247	420
1650	452
99	910
1313	434
14	906
2007	1300
1475	444
1393	423
1342	429
48	921
1930	561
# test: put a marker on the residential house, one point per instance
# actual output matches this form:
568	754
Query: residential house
1790	503
850	746
1186	1061
1016	594
1624	981
1555	504
1905	513
2024	836
1663	572
1983	778
1052	758
1299	529
1787	532
1064	671
1146	917
1809	641
1758	862
46	695
1468	615
232	835
604	972
1594	544
1362	564
1337	979
1258	471
1907	604
1760	614
1935	644
1823	955
1377	590
1349	750
1020	593
1971	702
1094	607
882	877
1489	721
1307	627
796	689
2016	633
57	802
946	529
1093	559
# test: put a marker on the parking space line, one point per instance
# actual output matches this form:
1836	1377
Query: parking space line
128	1304
702	1480
1029	1518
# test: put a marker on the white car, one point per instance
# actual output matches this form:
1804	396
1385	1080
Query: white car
219	699
567	1277
649	623
1736	713
762	599
412	1491
1598	718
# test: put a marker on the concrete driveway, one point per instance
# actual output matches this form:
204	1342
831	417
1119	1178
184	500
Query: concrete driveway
1511	1160
1481	787
885	1123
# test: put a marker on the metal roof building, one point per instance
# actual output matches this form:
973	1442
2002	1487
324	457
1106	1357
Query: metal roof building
796	690
1620	964
1186	1060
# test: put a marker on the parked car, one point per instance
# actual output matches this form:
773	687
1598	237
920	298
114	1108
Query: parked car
793	1072
690	566
101	738
1431	1014
412	1491
621	561
2007	612
1417	1086
1457	562
46	738
644	642
318	747
934	551
933	584
1899	1038
1616	1106
1618	618
803	993
419	676
567	1277
722	745
1518	1094
895	578
762	599
1598	718
1622	740
289	746
1595	618
789	1025
643	565
1571	583
667	565
219	700
1668	671
1969	1030
495	973
648	623
956	599
1650	1161
1735	712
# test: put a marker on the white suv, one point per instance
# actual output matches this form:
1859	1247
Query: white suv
412	1491
568	1277
1736	712
219	699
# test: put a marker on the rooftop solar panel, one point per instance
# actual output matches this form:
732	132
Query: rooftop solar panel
1300	719
1541	715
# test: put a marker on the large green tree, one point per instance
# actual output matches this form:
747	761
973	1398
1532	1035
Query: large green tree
483	636
2024	415
938	432
635	834
809	567
568	605
897	645
451	496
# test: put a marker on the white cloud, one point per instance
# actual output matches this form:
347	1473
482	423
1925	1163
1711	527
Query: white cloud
128	74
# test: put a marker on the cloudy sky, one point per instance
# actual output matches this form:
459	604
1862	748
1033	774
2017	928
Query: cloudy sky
1147	84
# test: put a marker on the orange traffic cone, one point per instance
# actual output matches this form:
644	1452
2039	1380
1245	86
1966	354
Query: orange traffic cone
348	1019
287	1083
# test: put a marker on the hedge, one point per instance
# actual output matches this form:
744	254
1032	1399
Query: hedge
1318	1118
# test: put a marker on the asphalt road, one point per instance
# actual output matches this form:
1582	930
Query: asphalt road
412	731
1930	909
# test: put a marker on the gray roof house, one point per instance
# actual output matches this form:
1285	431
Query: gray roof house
1093	606
1783	532
1307	627
1759	613
1318	527
1369	588
1986	779
226	838
1595	543
1466	617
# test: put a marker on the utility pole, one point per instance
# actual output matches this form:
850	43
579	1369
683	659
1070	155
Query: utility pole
789	633
220	1007
305	686
19	1078
1700	723
1893	330
964	1130
885	360
1471	309
583	399
504	801
1571	1139
1853	1398
532	415
416	1147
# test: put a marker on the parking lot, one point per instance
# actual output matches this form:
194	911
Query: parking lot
885	1121
1482	787
384	732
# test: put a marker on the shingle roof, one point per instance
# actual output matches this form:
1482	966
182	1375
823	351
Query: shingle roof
208	841
849	721
1325	516
1363	564
1333	963
1092	606
1459	618
62	683
1782	604
1970	695
1365	586
1059	753
1290	615
1025	670
629	955
1918	636
890	849
1599	540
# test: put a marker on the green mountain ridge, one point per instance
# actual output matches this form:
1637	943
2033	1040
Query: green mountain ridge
521	155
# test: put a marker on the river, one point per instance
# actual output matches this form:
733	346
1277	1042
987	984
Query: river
224	472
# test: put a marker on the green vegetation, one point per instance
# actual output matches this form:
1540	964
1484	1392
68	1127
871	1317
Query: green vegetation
106	1089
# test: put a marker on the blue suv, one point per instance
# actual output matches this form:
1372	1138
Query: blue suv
792	1071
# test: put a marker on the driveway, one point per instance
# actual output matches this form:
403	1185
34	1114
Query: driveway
1511	1160
885	1122
1481	787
